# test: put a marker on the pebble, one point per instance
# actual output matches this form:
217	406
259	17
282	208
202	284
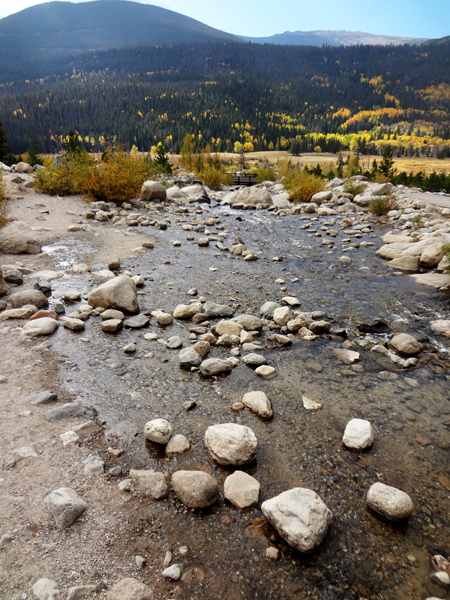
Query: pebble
158	430
389	502
173	572
310	404
265	371
130	348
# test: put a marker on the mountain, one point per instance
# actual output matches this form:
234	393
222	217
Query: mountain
444	40
334	38
54	29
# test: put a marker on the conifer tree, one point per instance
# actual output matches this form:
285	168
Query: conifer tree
387	162
5	149
33	153
161	162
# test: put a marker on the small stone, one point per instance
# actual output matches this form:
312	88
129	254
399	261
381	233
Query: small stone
258	403
265	371
80	591
389	502
203	242
442	579
310	404
215	366
110	313
163	318
137	322
158	430
405	344
195	489
346	356
72	296
140	562
40	398
282	316
73	324
231	444
242	490
237	407
45	589
130	589
174	342
111	325
130	348
178	444
149	483
272	554
70	437
189	357
254	360
358	435
173	572
202	348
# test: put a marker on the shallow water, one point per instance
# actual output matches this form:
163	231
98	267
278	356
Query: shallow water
362	556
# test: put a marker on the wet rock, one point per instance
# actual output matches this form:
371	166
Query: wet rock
282	315
86	429
130	589
40	398
231	444
248	322
45	589
346	356
405	344
295	325
27	297
442	579
300	517
208	337
358	435
25	312
17	238
258	403
265	371
149	483
174	342
254	360
178	444
130	348
72	296
202	348
118	293
228	328
268	308
242	490
111	325
202	242
162	318
283	340
158	430
173	572
187	311
44	326
319	327
137	322
389	502
238	249
153	190
72	410
65	505
405	263
195	489
310	403
112	314
13	276
272	554
189	357
228	340
245	337
215	366
441	327
73	324
214	310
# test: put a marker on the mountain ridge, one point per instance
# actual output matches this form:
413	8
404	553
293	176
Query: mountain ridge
334	38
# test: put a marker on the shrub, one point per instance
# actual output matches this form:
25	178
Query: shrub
3	199
265	174
66	178
354	188
382	205
302	186
214	178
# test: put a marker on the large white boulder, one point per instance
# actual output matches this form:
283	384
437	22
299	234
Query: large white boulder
152	190
231	444
300	517
250	195
118	293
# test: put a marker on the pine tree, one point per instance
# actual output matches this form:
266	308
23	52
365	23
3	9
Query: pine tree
161	162
33	153
72	143
387	162
5	149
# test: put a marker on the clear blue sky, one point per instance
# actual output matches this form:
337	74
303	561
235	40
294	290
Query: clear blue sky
256	18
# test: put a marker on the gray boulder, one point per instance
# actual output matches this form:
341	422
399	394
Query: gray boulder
153	190
213	310
188	357
118	293
149	483
65	505
215	366
195	489
27	297
17	238
40	398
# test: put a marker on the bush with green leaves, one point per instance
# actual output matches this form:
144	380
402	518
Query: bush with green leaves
354	187
265	174
303	185
382	205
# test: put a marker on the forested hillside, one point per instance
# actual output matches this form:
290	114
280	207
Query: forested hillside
264	96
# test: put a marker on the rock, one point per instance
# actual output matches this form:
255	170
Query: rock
178	444
195	489
73	324
203	242
40	398
300	517
111	325
217	310
174	342
231	444
272	554
389	502
79	592
13	276
432	255
17	238
25	312
248	322
86	429
310	403
358	435
158	430
228	328
149	483
258	403
405	344
162	318
112	314
242	490
189	357
44	313
175	194
268	308
282	340
45	589
118	293
295	325
238	249
265	371
215	366
104	274
208	337
173	572
405	263
254	360
436	280
93	466
69	437
72	296
444	265
46	275
392	251
71	410
44	326
319	327
196	193
27	298
140	562
65	505
282	315
187	311
137	322
321	197
153	190
440	327
245	337
130	589
250	196
346	356
202	348
130	348
442	579
23	167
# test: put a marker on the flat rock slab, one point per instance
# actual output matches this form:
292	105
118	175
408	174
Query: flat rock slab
215	366
40	398
217	310
137	322
389	502
72	410
65	505
195	489
149	483
436	280
231	444
254	360
346	356
300	517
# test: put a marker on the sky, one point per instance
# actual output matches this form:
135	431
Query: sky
258	18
